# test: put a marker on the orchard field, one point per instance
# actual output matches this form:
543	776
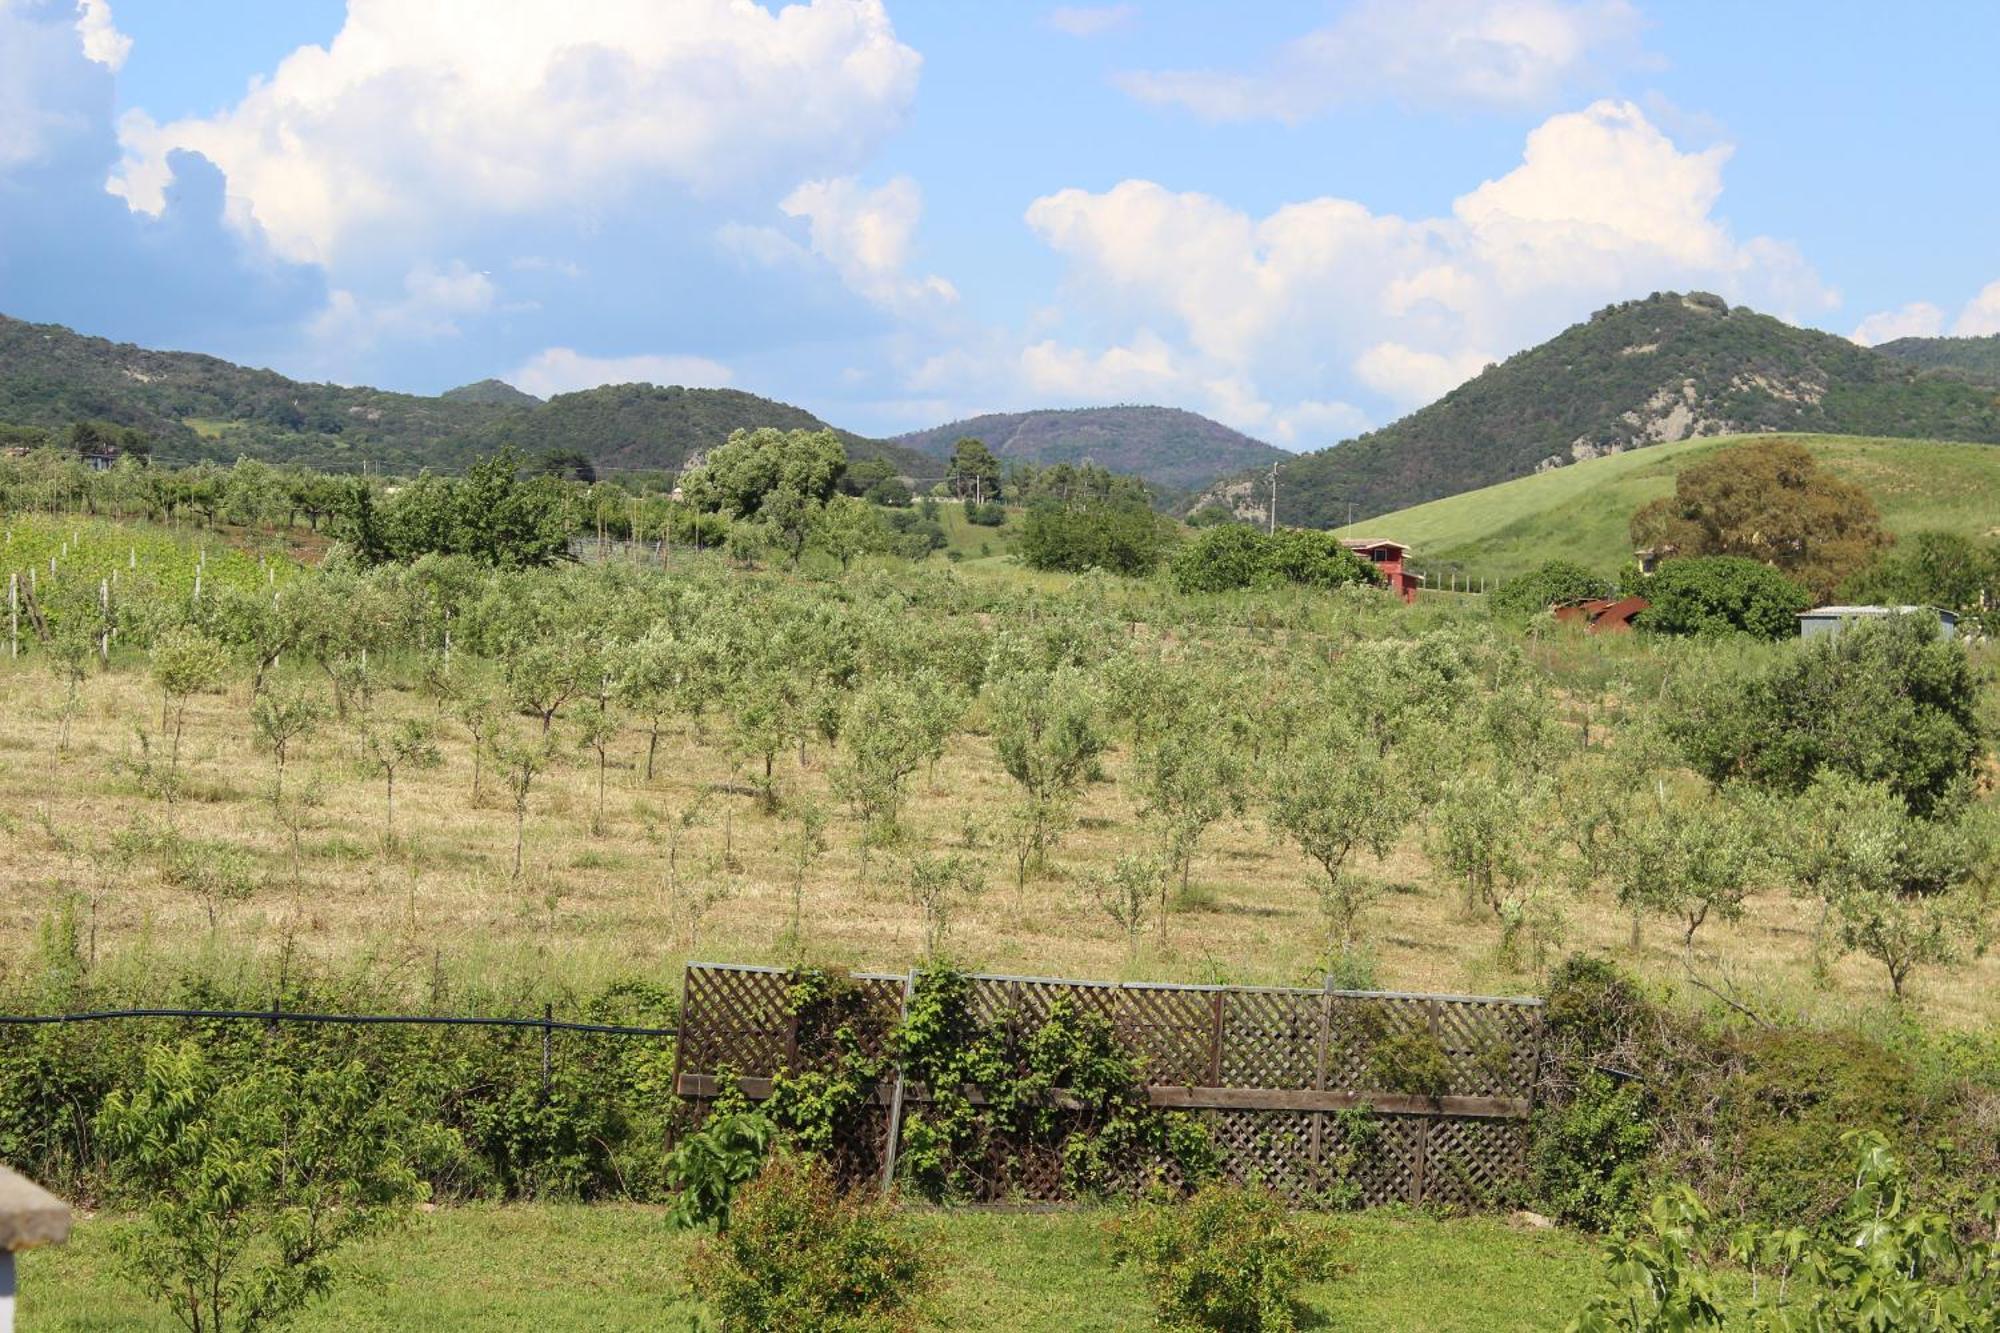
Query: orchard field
440	765
622	870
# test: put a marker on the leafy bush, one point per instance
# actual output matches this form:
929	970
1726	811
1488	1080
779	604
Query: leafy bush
988	515
1947	569
918	532
1556	583
1231	556
1107	1138
1591	1154
1883	701
1890	1264
1229	1258
1121	537
479	1122
798	1255
708	1166
1722	594
249	1183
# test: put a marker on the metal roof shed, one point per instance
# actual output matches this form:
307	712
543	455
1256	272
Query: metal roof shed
1823	620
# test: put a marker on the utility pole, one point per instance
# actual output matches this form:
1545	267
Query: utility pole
1274	499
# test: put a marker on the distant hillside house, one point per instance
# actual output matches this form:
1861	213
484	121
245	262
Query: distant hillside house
100	457
1387	557
1825	620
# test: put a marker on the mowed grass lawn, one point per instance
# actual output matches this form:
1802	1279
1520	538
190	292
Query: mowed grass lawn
618	1267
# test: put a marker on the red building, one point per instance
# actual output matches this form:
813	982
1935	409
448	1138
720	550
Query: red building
1387	557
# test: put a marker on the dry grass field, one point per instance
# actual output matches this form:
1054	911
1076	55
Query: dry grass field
683	868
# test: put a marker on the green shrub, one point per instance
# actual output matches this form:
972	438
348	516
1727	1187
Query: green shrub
1123	537
1590	1154
1884	701
1778	1123
797	1255
988	515
1889	1264
1706	596
1556	583
248	1183
479	1121
1232	556
1228	1258
708	1166
1406	1060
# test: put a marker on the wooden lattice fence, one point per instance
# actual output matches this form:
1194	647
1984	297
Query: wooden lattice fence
1276	1074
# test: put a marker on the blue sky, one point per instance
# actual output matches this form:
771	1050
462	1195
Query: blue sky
1303	219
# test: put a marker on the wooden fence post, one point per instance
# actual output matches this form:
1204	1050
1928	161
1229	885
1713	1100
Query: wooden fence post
29	1216
889	1149
1215	1044
1319	1071
1422	1180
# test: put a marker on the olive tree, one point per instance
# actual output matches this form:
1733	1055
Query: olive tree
279	718
938	885
597	730
70	646
882	743
1688	860
1333	793
406	744
1046	726
1188	775
521	761
1125	891
1904	891
184	662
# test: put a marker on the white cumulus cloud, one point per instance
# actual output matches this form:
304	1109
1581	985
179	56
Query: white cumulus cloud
1256	313
555	370
1408	375
1981	315
102	41
418	116
866	235
1978	317
429	307
1917	319
1486	52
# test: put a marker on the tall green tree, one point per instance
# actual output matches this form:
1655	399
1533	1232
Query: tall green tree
1767	501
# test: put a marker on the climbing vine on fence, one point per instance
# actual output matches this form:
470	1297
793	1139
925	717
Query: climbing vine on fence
1006	1089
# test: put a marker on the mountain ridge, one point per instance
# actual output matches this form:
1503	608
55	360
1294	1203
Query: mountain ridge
1666	367
1169	447
1976	356
197	406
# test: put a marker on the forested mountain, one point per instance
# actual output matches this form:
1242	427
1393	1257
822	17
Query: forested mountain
498	393
1978	358
645	426
1165	446
203	407
1668	367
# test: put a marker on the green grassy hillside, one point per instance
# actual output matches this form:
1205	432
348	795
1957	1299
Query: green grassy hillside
1670	367
1580	512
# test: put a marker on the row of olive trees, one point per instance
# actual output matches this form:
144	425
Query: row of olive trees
1342	753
